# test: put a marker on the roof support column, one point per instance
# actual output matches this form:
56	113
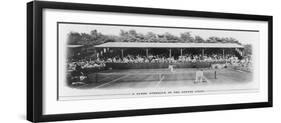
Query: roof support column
222	53
170	53
146	50
122	53
203	52
181	51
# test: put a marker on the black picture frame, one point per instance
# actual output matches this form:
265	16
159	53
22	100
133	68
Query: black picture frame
34	60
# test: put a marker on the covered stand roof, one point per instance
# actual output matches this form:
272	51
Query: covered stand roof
167	45
74	46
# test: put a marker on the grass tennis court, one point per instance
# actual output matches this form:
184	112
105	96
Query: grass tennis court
143	78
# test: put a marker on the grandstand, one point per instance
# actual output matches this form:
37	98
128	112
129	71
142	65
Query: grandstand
171	46
143	64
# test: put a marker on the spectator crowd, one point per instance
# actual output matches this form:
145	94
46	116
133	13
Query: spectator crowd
100	63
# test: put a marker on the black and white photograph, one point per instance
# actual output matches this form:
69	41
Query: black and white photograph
100	61
88	61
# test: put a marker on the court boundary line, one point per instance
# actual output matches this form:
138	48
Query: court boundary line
112	81
160	80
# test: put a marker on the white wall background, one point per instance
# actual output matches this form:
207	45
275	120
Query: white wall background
13	61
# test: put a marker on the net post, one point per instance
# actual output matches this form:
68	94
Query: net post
215	74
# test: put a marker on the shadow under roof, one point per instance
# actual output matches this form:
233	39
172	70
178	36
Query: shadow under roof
167	45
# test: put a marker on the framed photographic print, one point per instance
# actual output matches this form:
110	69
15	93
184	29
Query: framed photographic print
95	61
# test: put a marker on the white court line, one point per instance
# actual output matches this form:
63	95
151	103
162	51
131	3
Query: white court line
208	81
112	81
104	78
241	71
161	78
95	78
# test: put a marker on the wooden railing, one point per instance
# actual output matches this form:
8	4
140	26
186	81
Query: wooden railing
160	65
